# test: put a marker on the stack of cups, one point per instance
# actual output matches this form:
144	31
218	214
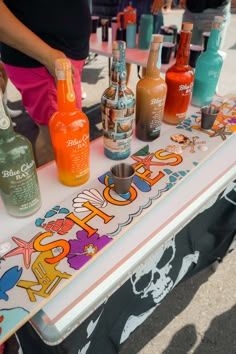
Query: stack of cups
145	31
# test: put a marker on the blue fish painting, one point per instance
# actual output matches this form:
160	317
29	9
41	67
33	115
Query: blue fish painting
9	280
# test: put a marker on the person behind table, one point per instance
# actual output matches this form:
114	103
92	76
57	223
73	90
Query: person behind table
147	7
33	36
202	12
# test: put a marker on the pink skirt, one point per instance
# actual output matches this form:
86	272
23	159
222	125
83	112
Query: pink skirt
38	89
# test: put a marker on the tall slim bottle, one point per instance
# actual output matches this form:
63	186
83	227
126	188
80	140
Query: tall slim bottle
69	130
150	96
208	68
19	186
179	79
117	106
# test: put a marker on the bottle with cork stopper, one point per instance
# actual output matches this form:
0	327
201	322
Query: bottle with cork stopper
179	80
150	96
208	67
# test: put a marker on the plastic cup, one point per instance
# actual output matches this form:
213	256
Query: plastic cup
95	20
167	48
208	116
195	51
145	31
131	35
122	175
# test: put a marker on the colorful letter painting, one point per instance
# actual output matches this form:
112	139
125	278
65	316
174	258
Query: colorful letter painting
44	256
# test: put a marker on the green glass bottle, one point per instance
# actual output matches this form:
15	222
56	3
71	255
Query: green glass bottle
19	186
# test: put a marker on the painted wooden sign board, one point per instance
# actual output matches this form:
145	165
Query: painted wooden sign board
39	260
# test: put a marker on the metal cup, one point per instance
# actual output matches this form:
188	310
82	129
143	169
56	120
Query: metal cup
122	174
208	116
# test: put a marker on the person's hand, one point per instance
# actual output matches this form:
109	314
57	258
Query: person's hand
182	4
51	58
157	6
167	7
51	62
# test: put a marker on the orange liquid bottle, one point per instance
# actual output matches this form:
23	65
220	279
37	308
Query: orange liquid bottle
150	96
179	79
69	130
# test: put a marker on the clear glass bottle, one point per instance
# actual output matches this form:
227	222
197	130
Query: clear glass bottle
179	79
69	130
117	106
208	68
150	96
19	186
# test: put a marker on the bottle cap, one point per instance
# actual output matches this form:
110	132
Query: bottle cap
121	45
114	45
218	19
217	22
187	26
157	38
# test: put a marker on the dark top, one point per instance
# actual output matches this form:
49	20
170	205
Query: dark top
201	5
64	25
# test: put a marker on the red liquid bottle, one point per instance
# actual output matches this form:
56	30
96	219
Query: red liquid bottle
179	80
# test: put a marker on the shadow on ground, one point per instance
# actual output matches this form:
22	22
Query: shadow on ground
171	307
213	340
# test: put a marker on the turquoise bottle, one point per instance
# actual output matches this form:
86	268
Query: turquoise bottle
208	68
117	108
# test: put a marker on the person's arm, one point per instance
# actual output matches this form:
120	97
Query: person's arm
157	6
15	34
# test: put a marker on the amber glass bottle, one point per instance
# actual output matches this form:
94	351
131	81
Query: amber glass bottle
69	130
179	79
117	106
150	96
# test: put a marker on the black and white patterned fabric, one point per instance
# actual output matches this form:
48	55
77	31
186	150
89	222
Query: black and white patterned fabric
206	239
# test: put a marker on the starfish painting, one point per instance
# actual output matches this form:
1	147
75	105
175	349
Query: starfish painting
25	248
221	132
147	161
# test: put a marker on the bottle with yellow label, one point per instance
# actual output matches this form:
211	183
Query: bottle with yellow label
69	130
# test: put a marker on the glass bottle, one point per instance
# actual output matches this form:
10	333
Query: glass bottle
117	106
208	68
69	130
150	96
19	186
179	79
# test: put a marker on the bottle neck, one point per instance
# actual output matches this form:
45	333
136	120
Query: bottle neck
118	69
65	91
213	43
6	128
182	56
152	63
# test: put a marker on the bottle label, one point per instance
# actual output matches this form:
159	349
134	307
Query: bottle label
20	190
157	109
78	150
186	89
117	131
